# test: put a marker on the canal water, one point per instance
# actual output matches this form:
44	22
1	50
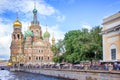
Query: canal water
7	75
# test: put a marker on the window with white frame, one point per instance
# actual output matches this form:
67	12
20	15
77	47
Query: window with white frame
113	51
113	54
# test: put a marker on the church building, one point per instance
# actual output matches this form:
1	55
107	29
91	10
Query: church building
31	47
111	38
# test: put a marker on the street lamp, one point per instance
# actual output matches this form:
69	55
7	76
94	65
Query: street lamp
18	61
14	59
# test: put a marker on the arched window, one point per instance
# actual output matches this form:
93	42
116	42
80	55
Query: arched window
36	58
113	51
39	58
37	32
48	58
18	36
42	58
29	58
41	51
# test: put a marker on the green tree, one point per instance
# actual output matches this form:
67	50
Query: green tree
57	49
82	45
96	42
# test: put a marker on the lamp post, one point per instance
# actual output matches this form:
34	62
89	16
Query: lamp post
14	59
18	62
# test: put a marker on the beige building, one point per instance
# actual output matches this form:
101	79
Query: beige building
31	47
111	38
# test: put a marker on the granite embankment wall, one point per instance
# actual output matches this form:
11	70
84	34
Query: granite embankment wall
78	74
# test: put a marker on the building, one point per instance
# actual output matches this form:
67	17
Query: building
31	47
111	38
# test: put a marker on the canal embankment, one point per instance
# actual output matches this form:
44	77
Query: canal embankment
78	74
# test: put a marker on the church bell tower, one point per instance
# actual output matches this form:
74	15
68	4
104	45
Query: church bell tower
17	40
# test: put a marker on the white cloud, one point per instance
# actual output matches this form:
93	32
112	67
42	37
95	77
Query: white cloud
25	6
60	18
87	26
5	39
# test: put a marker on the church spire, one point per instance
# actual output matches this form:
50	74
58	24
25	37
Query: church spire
17	23
17	16
35	15
34	5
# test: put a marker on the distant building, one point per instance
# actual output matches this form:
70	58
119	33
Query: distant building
31	47
111	38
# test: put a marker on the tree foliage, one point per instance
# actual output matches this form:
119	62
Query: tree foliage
83	45
57	49
79	45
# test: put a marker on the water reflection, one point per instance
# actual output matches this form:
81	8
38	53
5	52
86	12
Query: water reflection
7	75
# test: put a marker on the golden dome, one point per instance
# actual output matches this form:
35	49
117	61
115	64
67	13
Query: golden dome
53	39
17	23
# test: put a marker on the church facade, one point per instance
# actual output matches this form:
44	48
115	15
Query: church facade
31	47
111	38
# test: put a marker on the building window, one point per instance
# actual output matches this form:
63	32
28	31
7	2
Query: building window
29	58
18	36
36	58
39	58
48	58
39	51
42	58
113	54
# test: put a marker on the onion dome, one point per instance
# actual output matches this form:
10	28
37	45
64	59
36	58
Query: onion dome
46	34
9	63
17	23
28	33
34	10
53	39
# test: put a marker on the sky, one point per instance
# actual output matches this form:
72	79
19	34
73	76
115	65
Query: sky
61	16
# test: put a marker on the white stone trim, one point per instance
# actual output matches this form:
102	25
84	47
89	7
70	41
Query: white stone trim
104	48
112	24
112	39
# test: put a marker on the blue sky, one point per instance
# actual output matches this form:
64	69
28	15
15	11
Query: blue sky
61	16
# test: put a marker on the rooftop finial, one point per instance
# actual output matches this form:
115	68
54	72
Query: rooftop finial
53	34
34	5
17	15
